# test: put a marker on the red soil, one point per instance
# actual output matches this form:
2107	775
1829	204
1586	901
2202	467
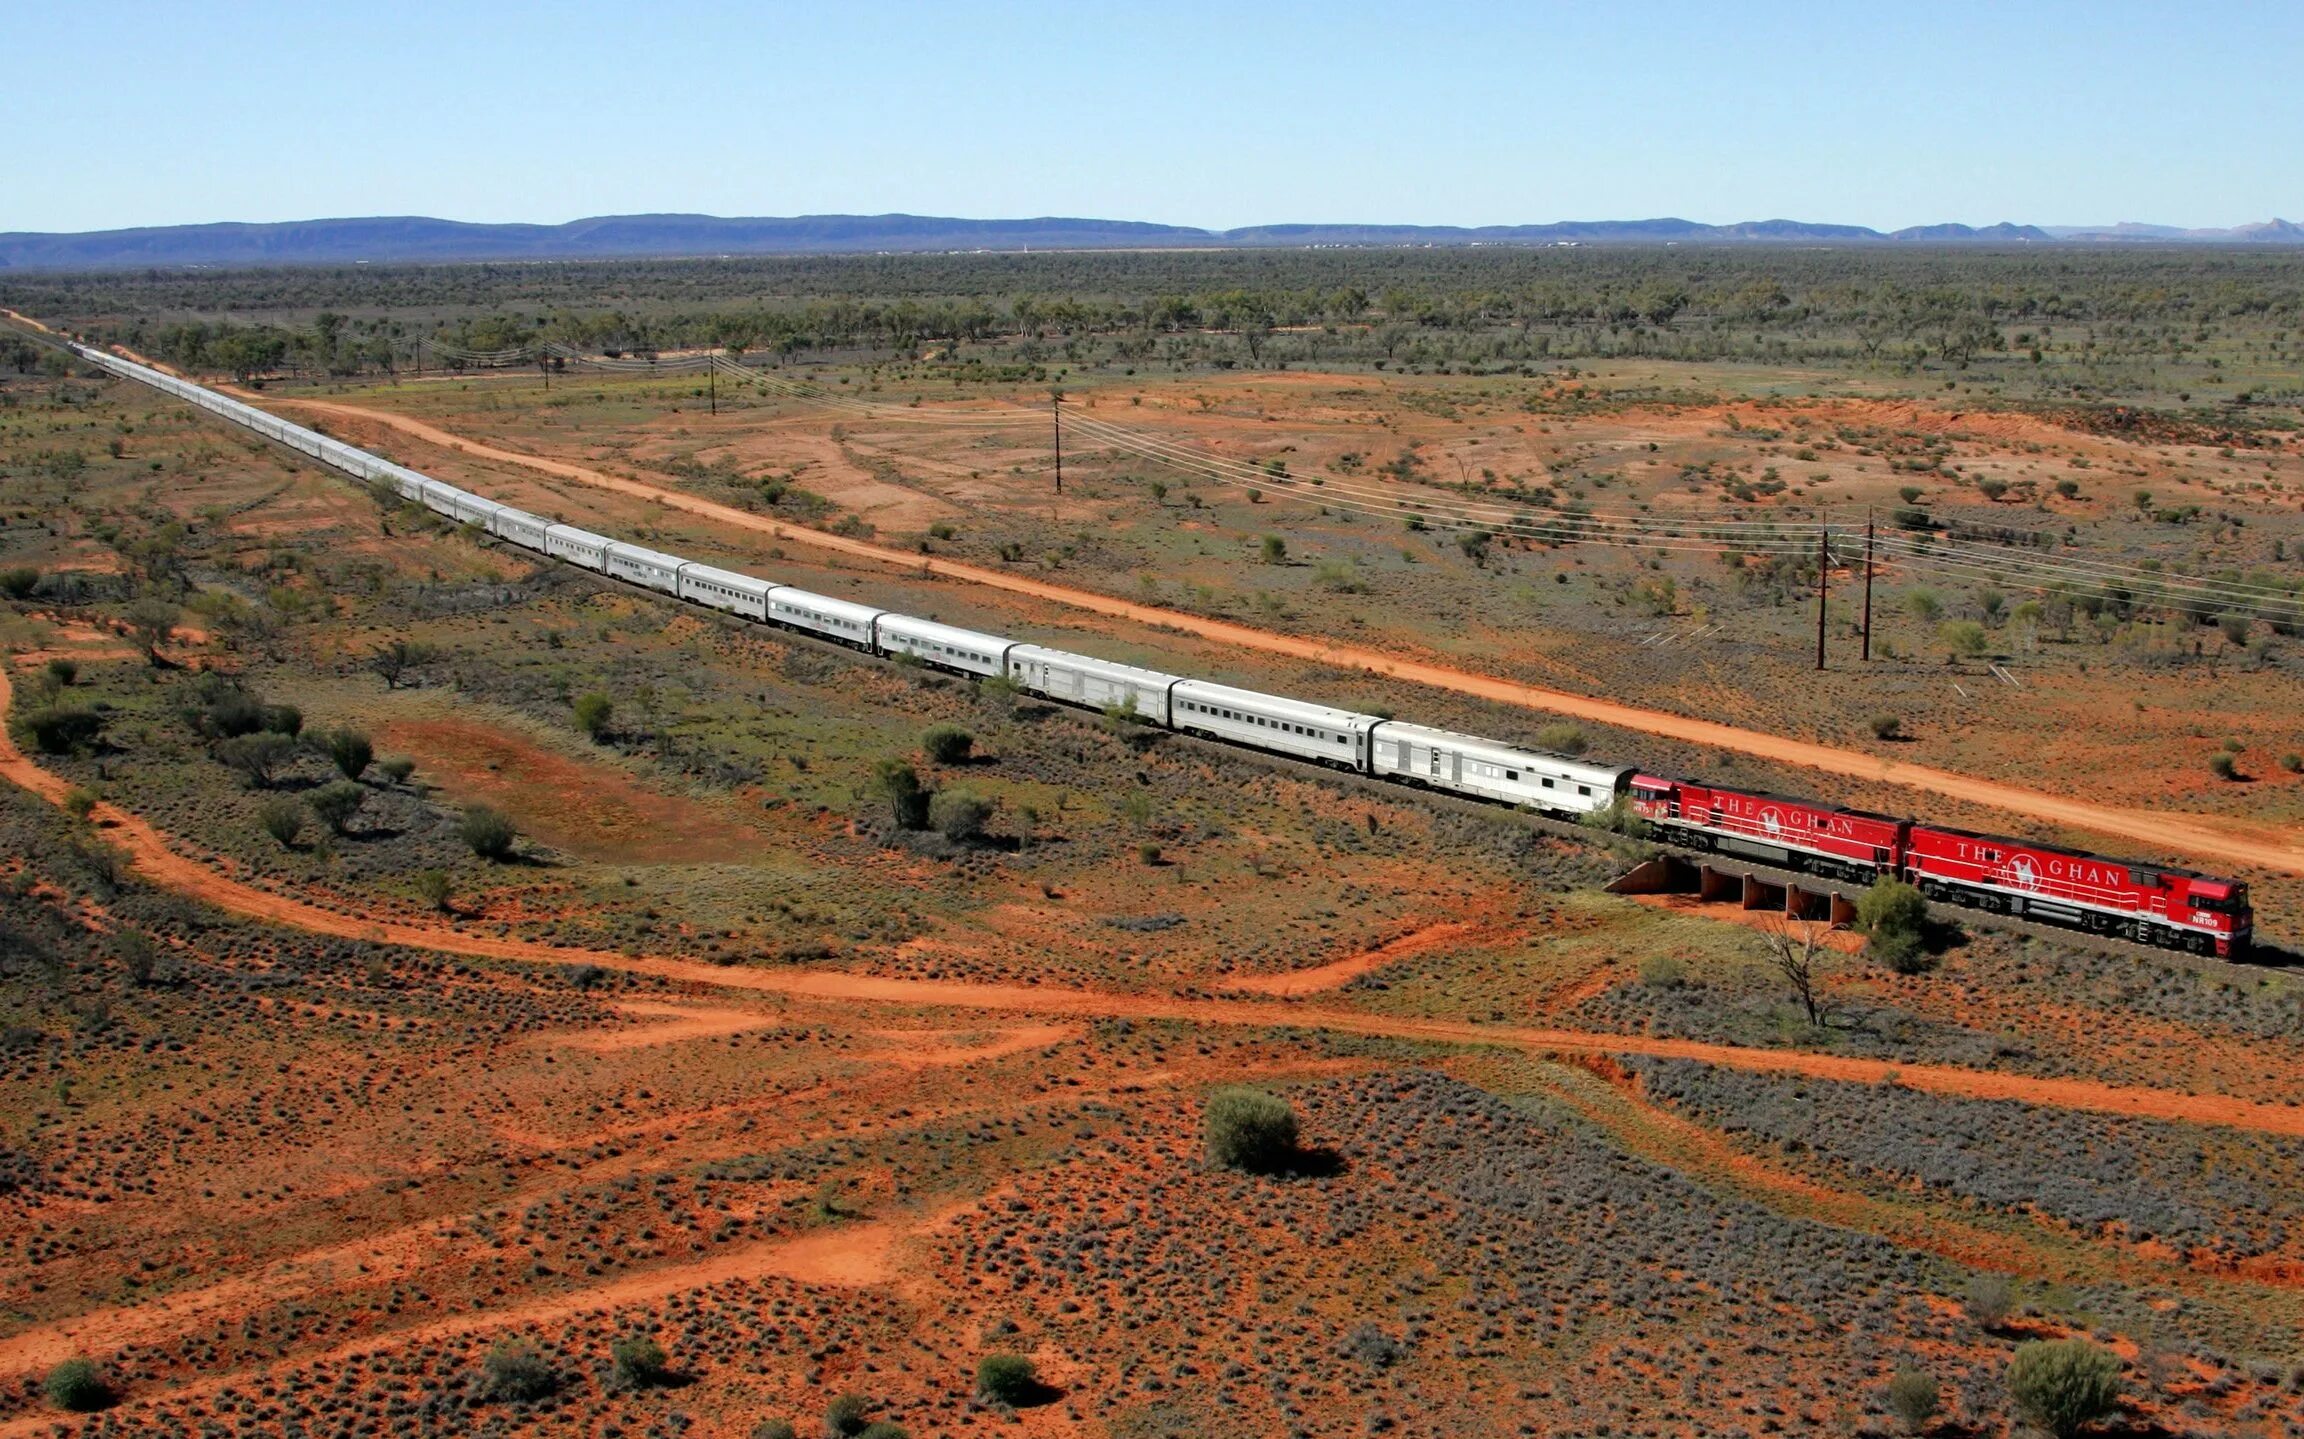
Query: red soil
2216	840
152	857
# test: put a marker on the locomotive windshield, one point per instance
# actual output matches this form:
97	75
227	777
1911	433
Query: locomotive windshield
2234	903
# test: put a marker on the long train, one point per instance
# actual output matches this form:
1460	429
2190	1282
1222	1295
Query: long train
2172	908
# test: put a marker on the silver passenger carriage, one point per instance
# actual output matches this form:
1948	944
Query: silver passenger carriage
946	646
1087	680
1308	731
1468	764
842	620
725	590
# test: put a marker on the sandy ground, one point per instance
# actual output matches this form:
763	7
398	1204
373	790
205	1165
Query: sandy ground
2210	840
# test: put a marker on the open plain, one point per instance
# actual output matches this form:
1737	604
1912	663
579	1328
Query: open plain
324	1113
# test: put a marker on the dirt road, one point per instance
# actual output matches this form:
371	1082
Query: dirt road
157	862
2211	841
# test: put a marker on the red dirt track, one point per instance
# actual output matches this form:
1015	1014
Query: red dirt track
2211	841
148	849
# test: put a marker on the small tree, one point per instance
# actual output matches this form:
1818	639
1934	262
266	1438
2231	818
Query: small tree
1886	726
846	1416
336	803
1006	1379
259	756
351	752
1275	550
63	671
1250	1130
1988	1299
2064	1385
77	1387
433	887
2224	765
283	719
638	1362
19	581
948	744
1795	951
593	712
1914	1397
516	1373
394	658
283	819
153	622
397	768
137	954
489	831
1962	637
906	796
959	815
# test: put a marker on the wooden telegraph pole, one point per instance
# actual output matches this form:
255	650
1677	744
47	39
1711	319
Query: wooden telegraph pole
1867	586
712	371
1056	413
1823	585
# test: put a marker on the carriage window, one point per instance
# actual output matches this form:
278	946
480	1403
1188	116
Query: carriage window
1510	774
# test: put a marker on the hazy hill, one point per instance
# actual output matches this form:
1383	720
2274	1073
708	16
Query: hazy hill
400	239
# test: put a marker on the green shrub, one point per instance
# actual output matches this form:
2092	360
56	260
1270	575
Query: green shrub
351	752
282	818
1250	1130
19	581
1989	1299
335	803
515	1373
79	802
2063	1385
1148	853
63	729
397	768
593	712
1914	1398
2223	765
1962	637
1662	971
259	756
846	1415
948	744
284	720
1893	918
1886	726
884	1429
433	887
1275	550
638	1362
959	815
488	831
1006	1379
2292	762
76	1385
63	671
1563	739
137	954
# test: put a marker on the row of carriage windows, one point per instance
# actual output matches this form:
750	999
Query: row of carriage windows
1306	730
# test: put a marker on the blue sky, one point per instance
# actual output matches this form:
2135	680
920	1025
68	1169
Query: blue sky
1863	112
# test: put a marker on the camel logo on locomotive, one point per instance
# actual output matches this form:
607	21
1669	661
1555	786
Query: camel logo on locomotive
2026	871
1771	821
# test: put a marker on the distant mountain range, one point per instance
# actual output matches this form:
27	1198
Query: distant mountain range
415	239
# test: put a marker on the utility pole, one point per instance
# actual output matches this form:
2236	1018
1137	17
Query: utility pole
1868	585
712	374
1056	413
1823	585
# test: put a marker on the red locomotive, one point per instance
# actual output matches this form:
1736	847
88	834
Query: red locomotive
2170	908
1776	829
